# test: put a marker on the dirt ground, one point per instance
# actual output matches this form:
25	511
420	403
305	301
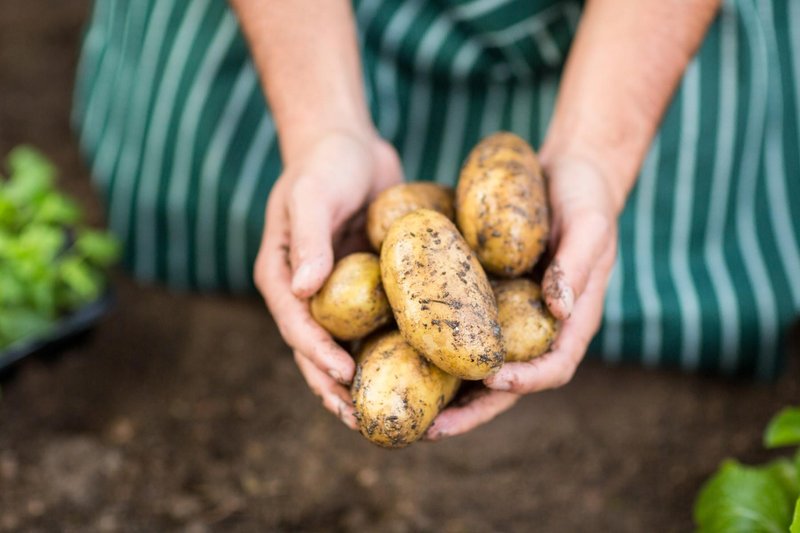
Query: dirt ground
186	413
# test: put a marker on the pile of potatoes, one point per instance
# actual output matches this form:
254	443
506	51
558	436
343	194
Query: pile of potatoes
423	313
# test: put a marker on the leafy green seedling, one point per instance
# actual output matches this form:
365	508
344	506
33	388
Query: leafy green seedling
50	262
783	429
755	499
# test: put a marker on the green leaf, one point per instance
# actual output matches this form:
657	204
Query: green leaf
81	279
783	429
6	243
98	247
32	175
784	471
796	461
42	295
57	209
12	290
18	324
741	499
795	527
41	242
8	213
25	159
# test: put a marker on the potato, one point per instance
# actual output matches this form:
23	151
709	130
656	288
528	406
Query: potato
351	304
397	392
441	298
528	327
501	205
401	199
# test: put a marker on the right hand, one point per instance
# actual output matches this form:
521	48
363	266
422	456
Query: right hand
317	206
584	238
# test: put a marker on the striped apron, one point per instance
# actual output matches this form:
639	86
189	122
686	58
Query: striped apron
183	149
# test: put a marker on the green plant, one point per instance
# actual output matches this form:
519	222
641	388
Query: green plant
50	262
756	499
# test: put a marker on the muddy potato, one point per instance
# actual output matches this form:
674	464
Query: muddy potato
528	327
351	304
501	205
397	392
401	199
441	298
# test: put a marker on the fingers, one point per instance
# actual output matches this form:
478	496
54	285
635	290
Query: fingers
583	239
335	398
484	406
583	227
556	368
549	371
306	208
319	203
299	329
311	230
272	277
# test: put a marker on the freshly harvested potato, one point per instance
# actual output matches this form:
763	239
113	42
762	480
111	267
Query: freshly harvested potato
441	298
528	327
501	205
397	392
401	199
351	304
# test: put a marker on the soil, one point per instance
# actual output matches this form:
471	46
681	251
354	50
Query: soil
185	412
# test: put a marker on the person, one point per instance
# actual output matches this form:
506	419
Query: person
700	100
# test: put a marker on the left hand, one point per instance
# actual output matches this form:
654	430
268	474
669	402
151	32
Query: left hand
584	238
313	210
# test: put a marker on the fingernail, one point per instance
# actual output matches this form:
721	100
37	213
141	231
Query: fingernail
500	384
344	411
433	434
557	291
300	278
341	407
336	375
567	298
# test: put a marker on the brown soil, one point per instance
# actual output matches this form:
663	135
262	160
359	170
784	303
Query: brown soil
185	412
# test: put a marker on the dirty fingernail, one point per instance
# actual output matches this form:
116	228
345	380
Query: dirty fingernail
336	375
567	297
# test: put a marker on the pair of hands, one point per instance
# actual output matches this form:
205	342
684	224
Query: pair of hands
317	207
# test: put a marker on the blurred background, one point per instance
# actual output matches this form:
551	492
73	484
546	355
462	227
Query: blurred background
186	413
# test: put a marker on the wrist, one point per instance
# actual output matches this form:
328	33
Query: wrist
297	139
307	55
614	177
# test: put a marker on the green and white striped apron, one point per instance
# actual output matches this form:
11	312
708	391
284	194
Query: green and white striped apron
181	145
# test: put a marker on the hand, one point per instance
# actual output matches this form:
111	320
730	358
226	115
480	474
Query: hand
584	237
316	205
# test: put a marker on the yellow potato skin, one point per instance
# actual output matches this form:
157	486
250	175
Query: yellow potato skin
441	298
528	327
397	392
401	199
501	205
351	304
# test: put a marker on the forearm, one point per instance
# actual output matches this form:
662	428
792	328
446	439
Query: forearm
306	54
625	63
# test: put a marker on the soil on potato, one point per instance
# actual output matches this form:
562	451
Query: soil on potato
186	412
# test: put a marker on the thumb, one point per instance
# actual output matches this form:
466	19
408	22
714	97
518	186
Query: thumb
583	226
583	239
311	249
